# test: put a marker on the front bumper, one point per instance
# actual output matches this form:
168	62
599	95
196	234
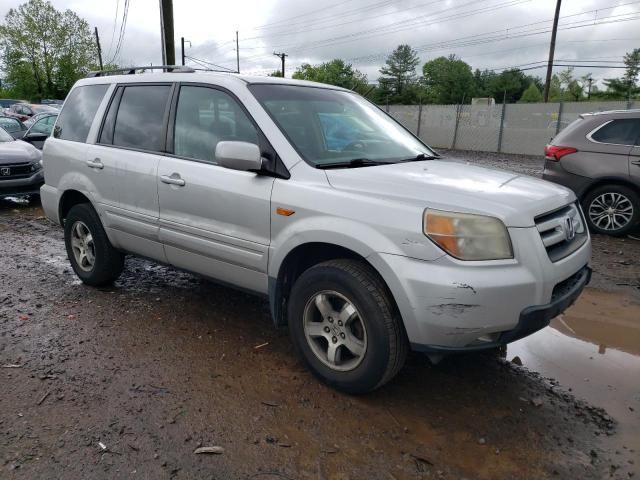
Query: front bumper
533	318
22	186
451	305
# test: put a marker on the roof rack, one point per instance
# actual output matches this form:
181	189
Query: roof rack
134	70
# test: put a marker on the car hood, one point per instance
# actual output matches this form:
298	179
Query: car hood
446	185
17	152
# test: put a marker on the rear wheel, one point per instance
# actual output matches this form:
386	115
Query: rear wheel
612	210
344	325
92	256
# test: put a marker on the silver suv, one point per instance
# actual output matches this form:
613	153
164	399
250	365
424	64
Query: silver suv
365	243
598	157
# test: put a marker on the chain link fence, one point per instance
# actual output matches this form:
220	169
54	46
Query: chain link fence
521	128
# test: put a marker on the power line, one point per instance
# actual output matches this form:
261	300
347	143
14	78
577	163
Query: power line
401	25
113	33
205	63
288	19
123	27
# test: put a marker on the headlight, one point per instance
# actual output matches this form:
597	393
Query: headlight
468	237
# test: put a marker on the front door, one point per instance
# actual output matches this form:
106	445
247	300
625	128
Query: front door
213	220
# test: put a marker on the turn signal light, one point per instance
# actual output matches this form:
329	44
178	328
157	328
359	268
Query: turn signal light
555	153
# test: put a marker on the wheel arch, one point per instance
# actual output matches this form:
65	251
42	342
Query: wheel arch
298	260
603	181
69	199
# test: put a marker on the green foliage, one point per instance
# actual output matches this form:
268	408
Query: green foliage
398	76
44	50
275	73
627	86
531	95
448	80
336	72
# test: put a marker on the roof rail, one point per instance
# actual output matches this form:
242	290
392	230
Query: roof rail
134	70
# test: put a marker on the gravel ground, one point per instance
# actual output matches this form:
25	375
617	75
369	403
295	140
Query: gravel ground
128	381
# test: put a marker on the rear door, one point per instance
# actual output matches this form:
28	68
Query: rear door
128	151
213	220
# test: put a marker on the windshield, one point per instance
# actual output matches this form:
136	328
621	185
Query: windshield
10	124
332	127
4	136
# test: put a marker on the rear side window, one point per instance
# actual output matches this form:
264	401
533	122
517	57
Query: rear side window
620	132
140	118
77	115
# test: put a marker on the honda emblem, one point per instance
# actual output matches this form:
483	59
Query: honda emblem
5	171
569	229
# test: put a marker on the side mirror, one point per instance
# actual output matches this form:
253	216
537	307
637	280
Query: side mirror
36	137
243	156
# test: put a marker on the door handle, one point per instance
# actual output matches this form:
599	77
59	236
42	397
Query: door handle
95	163
174	179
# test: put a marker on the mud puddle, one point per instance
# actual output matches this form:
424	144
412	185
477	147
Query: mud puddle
593	350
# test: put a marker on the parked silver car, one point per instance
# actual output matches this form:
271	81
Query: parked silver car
365	243
598	157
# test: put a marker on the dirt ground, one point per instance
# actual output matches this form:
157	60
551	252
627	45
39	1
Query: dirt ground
127	381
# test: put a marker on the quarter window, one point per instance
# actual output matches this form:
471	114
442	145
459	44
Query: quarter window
619	132
206	116
140	118
78	112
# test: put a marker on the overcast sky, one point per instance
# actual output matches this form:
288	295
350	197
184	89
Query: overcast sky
492	34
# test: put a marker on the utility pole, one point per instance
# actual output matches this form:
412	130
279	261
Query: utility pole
182	42
237	53
99	49
590	80
166	32
282	56
552	49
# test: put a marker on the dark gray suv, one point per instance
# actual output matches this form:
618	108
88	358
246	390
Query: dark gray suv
598	157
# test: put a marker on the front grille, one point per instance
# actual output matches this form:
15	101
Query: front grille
16	170
556	228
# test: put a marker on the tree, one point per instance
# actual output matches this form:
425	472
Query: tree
509	85
336	72
627	86
275	73
531	95
448	80
45	50
399	74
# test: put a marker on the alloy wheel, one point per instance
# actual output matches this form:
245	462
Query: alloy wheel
82	246
335	331
611	211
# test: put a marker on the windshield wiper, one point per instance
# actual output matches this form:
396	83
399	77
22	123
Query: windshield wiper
420	157
356	162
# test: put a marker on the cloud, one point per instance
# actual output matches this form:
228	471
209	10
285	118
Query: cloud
366	31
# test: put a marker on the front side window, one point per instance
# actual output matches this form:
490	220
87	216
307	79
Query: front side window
140	117
206	116
333	128
77	115
44	125
620	132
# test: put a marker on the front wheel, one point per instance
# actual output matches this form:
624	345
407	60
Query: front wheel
612	210
90	252
344	325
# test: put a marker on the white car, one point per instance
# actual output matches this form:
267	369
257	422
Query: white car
364	241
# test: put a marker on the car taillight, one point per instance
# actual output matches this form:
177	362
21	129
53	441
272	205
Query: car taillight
555	153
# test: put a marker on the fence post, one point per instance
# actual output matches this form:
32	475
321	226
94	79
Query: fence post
502	115
387	107
419	119
560	108
629	104
455	130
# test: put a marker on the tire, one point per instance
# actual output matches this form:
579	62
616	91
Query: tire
101	264
372	326
626	202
